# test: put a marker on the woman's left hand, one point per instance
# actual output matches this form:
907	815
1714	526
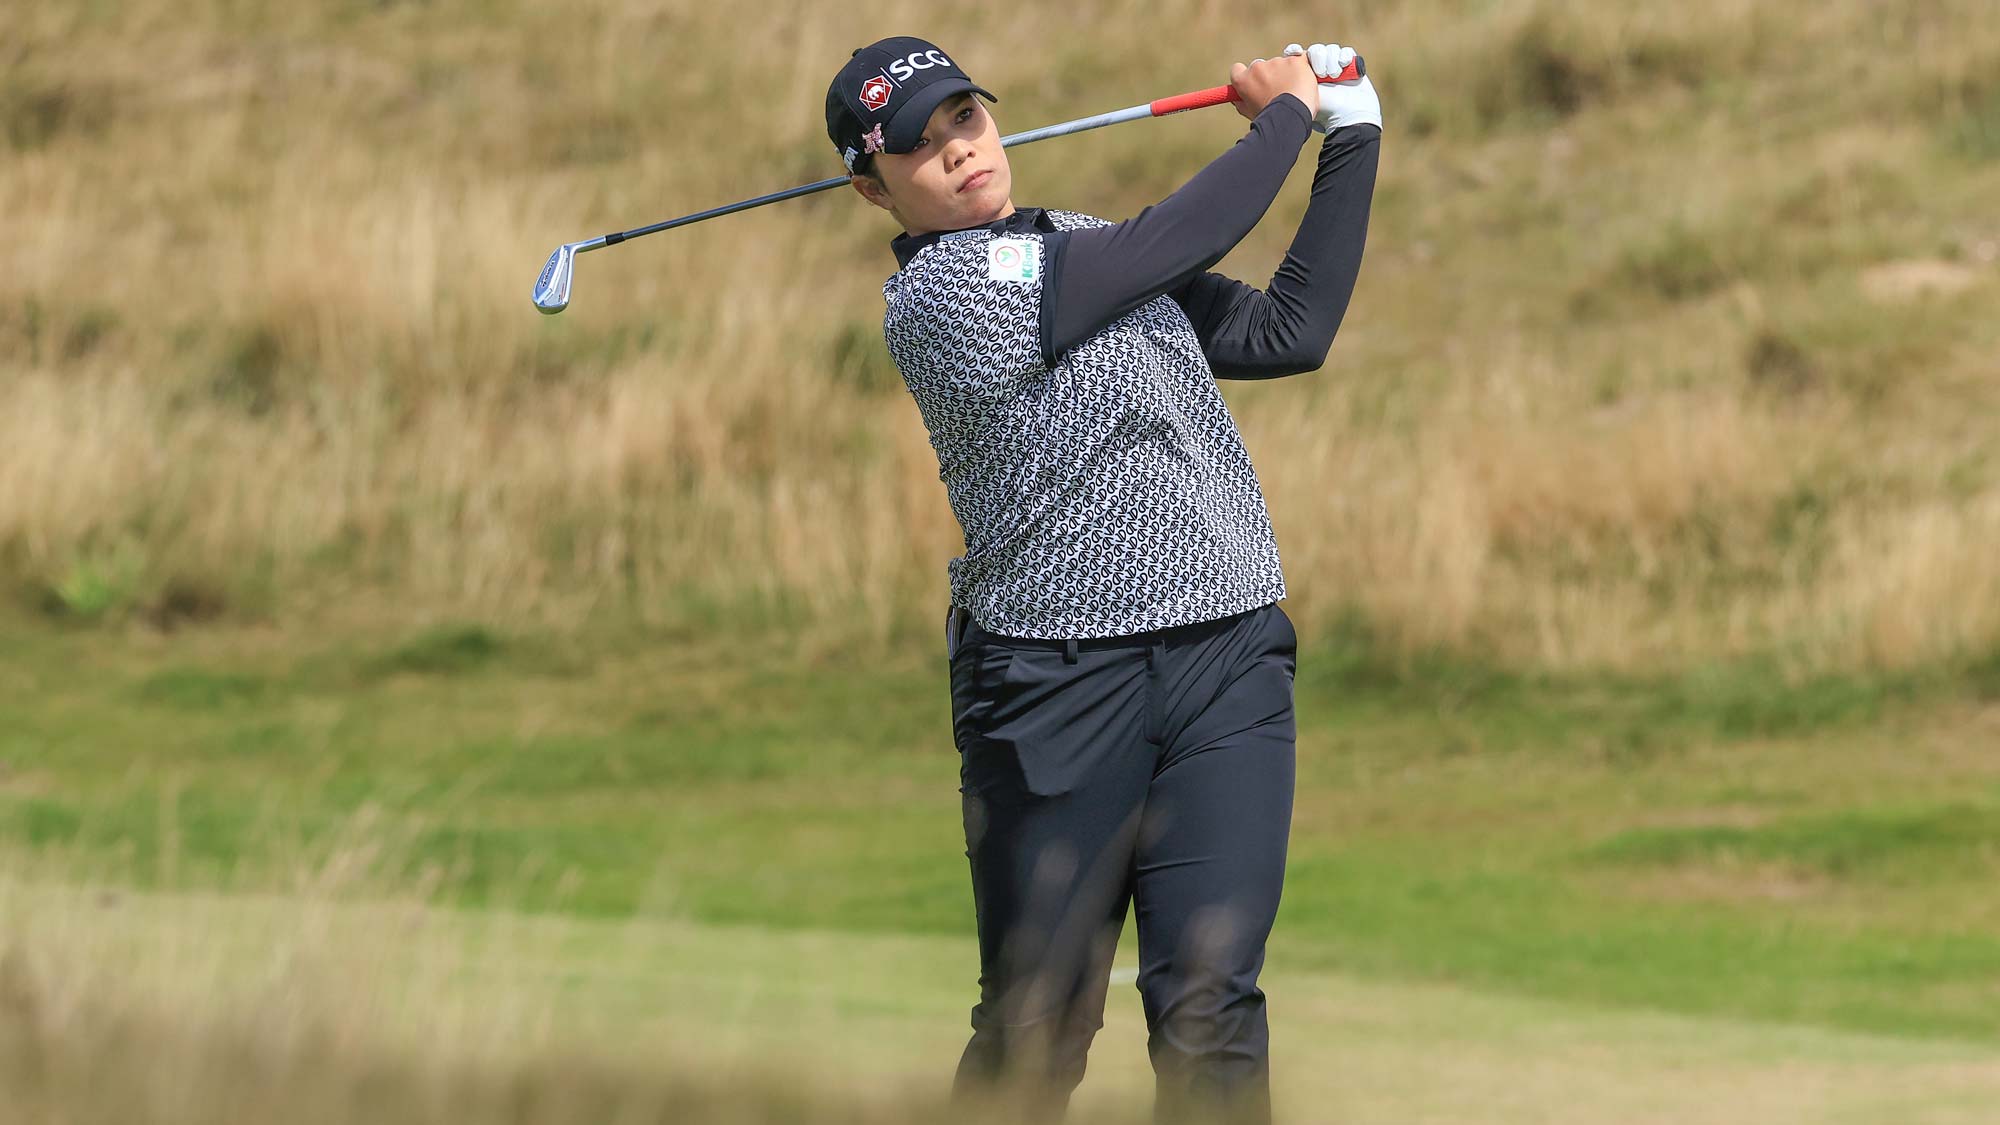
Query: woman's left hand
1340	103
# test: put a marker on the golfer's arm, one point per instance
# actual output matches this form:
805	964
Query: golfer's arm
1096	275
1287	327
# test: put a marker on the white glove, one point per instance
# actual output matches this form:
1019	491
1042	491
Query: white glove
1340	103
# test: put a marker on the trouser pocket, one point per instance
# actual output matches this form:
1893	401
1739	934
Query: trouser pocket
1031	724
976	671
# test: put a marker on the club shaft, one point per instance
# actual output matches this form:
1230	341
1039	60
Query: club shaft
1198	99
1059	130
1081	124
715	212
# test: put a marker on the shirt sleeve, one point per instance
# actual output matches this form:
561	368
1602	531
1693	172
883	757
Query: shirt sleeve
1096	275
1288	326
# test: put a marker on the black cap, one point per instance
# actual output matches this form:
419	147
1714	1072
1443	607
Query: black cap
892	85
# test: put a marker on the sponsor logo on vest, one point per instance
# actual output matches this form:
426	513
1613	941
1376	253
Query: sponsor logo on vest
1014	259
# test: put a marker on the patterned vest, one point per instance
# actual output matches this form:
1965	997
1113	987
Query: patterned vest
1107	493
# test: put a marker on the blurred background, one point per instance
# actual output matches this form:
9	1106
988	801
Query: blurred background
416	708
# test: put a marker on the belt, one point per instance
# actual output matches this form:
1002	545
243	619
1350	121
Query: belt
967	629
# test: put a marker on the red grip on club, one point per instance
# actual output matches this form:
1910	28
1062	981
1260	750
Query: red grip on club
1202	99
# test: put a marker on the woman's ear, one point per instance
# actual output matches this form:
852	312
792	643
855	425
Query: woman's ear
872	191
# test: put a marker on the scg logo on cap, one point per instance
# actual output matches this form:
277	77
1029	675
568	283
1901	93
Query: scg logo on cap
907	66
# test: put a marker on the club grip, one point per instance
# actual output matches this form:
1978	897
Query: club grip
1202	99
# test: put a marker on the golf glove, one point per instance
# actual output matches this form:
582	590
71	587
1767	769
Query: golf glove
1340	103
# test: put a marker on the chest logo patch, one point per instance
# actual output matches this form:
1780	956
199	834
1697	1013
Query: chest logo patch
1014	259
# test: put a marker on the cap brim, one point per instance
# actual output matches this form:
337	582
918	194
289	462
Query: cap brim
904	130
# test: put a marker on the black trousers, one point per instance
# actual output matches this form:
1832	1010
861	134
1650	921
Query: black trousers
1153	772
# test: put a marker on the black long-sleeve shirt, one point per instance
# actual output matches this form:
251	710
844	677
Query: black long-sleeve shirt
1098	275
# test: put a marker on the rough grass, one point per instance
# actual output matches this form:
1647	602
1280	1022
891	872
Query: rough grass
264	347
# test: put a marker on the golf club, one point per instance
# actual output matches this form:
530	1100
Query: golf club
552	288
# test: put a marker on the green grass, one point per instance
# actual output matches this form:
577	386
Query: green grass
1733	841
1910	844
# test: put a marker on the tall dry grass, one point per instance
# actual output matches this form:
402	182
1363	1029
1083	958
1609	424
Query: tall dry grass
1611	393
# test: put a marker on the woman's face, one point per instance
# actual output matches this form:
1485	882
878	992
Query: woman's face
956	177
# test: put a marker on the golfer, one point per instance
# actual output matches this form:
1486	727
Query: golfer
1121	673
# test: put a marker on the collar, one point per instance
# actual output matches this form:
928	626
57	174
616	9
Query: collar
907	246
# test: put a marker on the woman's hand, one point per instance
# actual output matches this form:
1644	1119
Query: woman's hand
1263	80
1338	103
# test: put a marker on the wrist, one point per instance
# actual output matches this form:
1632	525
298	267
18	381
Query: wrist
1296	107
1348	103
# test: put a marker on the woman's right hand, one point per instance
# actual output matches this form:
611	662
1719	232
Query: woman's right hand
1263	80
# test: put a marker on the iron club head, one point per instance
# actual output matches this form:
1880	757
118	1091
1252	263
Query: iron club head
552	289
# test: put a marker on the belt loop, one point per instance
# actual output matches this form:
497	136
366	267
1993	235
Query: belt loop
1069	651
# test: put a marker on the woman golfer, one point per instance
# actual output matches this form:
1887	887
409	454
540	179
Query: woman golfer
1121	673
